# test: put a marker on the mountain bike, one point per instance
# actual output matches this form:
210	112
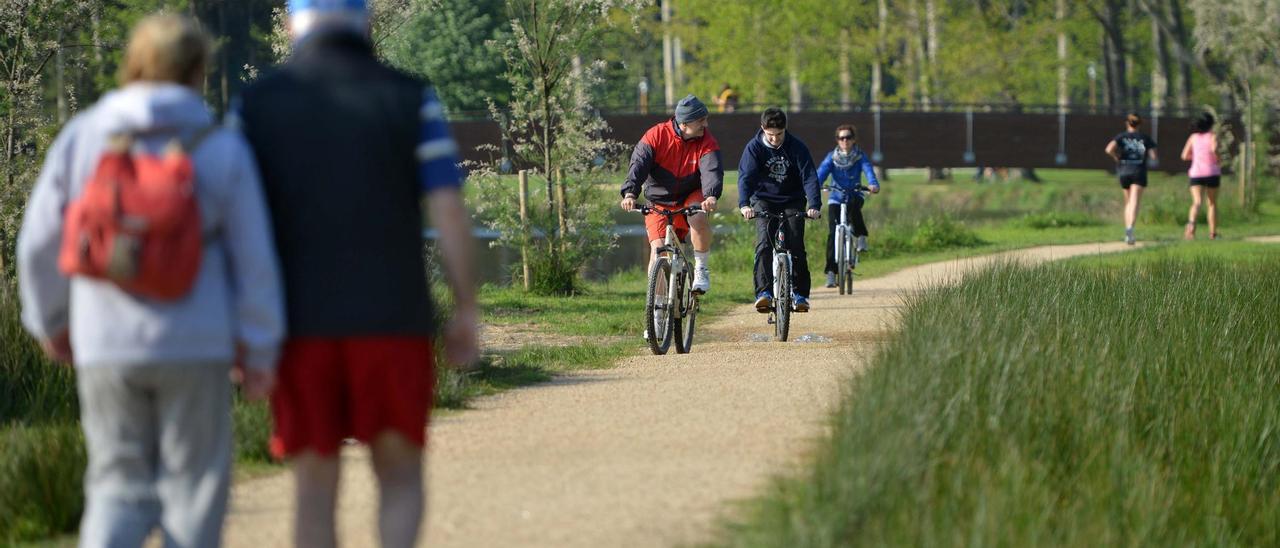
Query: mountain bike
671	306
780	315
846	250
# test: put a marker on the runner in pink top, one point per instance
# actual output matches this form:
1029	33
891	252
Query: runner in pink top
1201	151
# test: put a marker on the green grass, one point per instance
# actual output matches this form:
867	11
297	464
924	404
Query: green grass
1122	401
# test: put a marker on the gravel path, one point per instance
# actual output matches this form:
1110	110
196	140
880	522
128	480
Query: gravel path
648	453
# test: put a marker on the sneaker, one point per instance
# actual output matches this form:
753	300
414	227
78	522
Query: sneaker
645	335
862	244
701	280
1190	232
799	304
1128	236
831	279
764	302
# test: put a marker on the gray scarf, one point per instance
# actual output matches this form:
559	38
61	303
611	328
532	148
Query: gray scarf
844	160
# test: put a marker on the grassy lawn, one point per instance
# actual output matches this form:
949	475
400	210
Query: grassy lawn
1140	410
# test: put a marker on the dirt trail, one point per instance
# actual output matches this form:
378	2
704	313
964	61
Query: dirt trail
648	453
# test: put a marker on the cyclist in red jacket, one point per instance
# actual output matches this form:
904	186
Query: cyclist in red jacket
677	163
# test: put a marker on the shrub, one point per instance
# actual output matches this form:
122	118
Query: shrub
41	469
1056	219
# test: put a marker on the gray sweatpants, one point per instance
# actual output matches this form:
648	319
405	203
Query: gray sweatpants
159	441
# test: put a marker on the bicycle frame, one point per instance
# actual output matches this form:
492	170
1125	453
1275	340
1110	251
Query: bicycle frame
680	302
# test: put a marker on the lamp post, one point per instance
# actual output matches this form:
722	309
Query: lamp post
644	95
1093	86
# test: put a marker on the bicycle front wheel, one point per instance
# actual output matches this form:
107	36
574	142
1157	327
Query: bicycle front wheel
850	263
657	312
684	327
782	300
842	256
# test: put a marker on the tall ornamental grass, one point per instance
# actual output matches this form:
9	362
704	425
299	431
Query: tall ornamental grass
1059	405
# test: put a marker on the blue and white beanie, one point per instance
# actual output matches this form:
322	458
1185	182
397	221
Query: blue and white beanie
297	6
308	15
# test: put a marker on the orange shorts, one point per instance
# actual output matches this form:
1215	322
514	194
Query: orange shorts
656	225
329	389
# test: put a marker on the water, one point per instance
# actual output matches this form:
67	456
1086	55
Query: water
497	264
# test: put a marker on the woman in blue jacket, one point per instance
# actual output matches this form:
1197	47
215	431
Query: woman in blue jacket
845	165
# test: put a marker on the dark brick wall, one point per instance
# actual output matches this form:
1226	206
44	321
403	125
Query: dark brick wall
911	139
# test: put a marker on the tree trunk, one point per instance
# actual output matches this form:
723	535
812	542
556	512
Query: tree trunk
677	62
668	56
931	49
846	78
1160	66
877	77
916	53
224	95
1184	61
546	144
1061	17
1114	52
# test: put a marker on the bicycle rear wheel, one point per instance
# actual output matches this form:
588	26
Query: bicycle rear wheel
684	326
782	300
657	313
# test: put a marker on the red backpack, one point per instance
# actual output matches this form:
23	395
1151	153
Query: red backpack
137	222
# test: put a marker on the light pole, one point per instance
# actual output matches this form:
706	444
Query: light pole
1093	86
644	95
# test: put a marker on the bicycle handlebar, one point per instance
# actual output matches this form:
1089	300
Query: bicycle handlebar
783	215
650	210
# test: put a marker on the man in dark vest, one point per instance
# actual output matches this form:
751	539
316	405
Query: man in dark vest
348	149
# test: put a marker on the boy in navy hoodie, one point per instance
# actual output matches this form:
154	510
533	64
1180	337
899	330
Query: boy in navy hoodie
777	175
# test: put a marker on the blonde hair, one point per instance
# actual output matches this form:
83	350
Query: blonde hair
166	47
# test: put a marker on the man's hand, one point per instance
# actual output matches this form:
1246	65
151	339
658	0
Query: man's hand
461	343
875	189
257	384
58	347
628	203
747	212
814	214
709	204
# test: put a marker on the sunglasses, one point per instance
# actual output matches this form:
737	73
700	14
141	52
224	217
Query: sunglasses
845	138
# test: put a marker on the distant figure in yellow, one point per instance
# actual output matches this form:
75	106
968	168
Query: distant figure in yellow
727	100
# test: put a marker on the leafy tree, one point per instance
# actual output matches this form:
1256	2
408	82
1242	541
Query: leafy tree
32	35
551	123
453	44
1245	36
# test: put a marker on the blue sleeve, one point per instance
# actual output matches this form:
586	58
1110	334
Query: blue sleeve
869	170
437	152
747	167
824	169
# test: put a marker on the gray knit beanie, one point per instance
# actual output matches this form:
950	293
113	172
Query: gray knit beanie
690	109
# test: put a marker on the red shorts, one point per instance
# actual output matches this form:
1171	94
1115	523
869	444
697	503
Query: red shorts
656	225
329	389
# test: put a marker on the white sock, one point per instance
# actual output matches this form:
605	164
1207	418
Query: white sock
700	258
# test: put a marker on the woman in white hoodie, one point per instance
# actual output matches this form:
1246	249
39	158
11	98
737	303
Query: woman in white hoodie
153	375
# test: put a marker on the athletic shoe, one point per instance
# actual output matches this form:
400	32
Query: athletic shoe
1190	232
701	280
764	302
831	279
1128	236
799	304
862	244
